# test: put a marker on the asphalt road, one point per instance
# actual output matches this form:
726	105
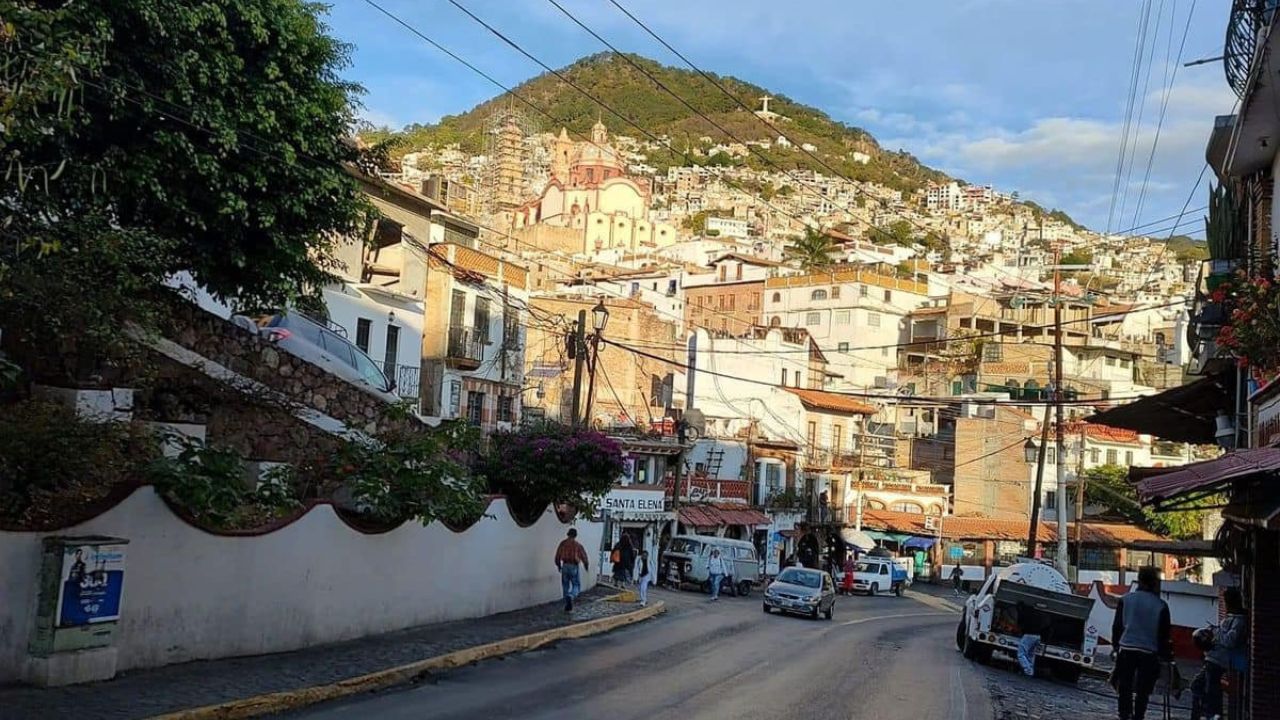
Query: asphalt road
881	658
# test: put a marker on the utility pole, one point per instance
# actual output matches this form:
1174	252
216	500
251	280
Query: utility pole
1039	485
1062	559
691	373
862	473
578	338
1080	481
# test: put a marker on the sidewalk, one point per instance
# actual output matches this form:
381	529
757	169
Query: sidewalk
146	693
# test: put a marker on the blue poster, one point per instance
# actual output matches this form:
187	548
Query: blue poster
92	584
957	552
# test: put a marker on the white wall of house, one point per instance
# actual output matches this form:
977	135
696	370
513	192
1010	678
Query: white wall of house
349	304
190	595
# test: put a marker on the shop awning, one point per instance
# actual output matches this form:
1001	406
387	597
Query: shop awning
706	515
857	538
919	543
1209	475
1186	413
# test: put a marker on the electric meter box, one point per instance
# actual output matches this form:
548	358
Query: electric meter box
80	594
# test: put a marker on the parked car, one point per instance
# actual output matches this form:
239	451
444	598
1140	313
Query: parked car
990	618
873	575
312	341
801	591
685	561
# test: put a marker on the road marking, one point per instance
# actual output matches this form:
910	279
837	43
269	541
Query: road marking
895	616
957	685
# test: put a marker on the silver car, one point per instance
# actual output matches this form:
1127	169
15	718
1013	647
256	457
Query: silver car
299	335
801	591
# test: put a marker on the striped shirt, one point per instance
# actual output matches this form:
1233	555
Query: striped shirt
571	551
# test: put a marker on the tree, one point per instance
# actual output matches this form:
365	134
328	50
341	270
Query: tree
813	251
143	137
1079	256
899	232
1109	486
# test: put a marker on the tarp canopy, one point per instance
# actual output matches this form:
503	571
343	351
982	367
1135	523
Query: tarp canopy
1187	413
891	537
919	543
857	538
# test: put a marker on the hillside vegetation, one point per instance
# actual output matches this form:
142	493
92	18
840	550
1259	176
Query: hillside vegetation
639	100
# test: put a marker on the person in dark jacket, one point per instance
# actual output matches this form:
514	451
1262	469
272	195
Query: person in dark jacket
1226	652
1140	637
807	552
626	559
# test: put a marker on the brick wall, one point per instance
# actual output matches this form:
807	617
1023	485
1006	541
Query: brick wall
731	307
991	476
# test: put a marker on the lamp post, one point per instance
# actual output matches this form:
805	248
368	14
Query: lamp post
599	319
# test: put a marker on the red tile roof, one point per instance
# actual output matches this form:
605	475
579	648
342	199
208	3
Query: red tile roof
706	515
1106	433
980	528
832	402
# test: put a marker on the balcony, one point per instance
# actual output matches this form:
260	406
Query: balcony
466	349
703	489
1248	18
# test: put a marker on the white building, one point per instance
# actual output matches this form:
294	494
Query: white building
856	315
728	227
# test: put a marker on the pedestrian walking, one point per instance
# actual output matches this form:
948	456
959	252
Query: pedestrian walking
957	579
1032	624
715	568
1140	636
1226	651
807	553
571	561
626	562
643	577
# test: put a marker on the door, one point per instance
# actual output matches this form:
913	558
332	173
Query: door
746	566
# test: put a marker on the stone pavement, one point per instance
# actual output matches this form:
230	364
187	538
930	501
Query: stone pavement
145	693
1017	697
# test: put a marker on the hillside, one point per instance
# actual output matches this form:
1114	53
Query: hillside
638	99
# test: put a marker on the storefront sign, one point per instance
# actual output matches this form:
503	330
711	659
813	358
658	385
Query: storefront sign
90	585
627	500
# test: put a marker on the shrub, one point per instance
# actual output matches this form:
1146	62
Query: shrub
547	463
210	484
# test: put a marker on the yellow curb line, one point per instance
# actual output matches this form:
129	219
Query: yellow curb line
933	602
294	699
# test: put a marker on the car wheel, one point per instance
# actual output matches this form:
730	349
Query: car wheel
831	609
766	608
960	635
875	589
975	651
816	613
744	588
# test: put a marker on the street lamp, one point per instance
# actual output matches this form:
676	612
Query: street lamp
599	317
1031	451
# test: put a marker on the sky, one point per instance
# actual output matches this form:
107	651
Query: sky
1026	95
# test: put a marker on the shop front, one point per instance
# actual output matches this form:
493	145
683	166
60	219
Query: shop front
638	512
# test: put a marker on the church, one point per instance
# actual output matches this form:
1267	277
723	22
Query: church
590	192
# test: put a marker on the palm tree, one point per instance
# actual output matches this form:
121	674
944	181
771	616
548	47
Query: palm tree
813	251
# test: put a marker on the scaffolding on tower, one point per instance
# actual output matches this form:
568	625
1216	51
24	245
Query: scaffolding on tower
507	158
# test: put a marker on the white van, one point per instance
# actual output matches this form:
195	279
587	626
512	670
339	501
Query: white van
685	561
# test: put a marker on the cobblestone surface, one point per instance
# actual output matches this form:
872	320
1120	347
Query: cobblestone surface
146	693
1017	697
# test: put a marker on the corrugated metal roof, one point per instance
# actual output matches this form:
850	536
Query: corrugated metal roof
978	528
1209	474
713	515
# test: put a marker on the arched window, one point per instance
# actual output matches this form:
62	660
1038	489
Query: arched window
818	295
1012	387
908	507
1031	391
777	297
874	504
775	321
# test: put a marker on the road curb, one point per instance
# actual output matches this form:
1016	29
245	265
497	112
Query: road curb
286	700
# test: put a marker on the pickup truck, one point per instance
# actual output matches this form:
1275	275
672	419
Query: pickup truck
876	574
990	619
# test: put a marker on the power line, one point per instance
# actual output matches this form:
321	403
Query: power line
1134	72
1142	106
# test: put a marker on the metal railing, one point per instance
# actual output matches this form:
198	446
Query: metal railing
406	377
465	346
1248	18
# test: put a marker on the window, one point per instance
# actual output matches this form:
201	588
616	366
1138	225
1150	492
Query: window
392	350
818	295
475	407
506	408
775	321
812	319
837	437
862	291
813	434
884	352
723	270
1111	362
842	347
873	319
888	295
1051	456
1095	455
797	379
992	352
337	347
835	292
458	309
773	476
363	327
737	275
1124	362
1128	457
482	319
842	317
784	378
1113	457
370	372
907	507
777	297
1051	500
732	301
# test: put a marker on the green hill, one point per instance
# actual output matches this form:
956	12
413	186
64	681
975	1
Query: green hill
641	101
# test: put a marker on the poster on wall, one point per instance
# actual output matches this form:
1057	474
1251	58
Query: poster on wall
90	585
